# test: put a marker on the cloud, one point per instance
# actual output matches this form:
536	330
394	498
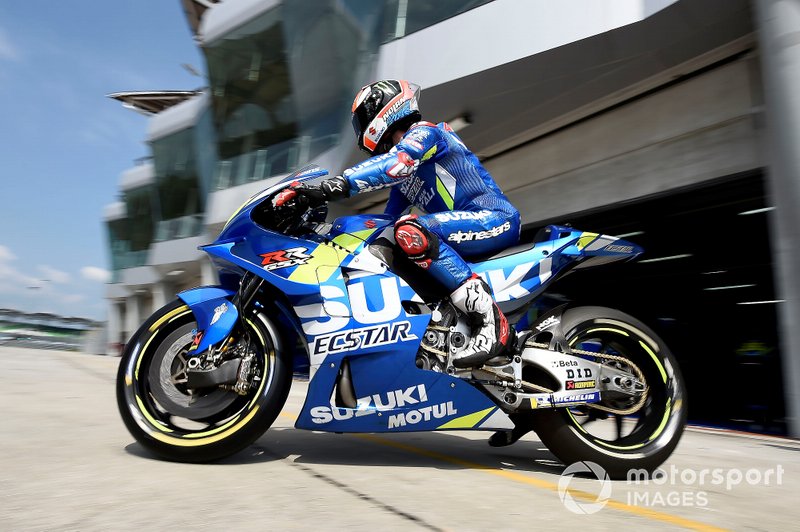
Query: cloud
6	255
12	280
47	290
94	273
7	50
53	275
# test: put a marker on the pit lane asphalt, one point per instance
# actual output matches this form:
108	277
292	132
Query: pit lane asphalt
67	463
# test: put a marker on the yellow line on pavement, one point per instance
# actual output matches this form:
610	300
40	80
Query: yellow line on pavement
533	481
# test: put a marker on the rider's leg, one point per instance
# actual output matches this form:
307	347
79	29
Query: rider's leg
421	238
467	233
490	330
477	233
472	233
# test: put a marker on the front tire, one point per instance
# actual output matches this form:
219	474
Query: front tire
653	432
189	425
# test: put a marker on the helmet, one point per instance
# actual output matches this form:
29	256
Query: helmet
380	109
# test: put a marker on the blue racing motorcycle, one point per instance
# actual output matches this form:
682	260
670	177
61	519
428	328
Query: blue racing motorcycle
206	375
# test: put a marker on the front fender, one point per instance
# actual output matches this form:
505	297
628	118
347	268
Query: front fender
214	312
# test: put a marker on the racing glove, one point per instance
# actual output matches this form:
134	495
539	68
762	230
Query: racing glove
335	188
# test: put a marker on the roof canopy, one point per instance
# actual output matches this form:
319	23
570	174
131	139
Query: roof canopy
152	102
194	10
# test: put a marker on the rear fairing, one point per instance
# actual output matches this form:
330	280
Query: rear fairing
517	279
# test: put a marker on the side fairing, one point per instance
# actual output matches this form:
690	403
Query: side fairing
361	312
406	398
373	324
374	321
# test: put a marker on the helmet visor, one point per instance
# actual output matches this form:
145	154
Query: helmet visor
368	109
360	121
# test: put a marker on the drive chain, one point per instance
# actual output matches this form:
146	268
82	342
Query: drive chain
637	372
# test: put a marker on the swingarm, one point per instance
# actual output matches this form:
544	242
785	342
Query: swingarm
576	378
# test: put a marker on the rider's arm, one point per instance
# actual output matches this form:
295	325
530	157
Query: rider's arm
422	143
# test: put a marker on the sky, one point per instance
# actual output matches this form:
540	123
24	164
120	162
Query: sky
64	144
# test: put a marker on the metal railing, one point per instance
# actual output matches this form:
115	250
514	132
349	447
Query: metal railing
275	160
183	227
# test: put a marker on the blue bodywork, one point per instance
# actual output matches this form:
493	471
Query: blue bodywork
213	312
349	306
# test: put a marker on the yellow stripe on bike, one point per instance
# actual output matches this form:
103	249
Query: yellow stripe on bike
325	257
466	422
586	239
351	241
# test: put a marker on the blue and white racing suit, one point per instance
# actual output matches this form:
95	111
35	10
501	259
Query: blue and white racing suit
431	169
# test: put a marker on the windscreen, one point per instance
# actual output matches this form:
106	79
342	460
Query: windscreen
306	172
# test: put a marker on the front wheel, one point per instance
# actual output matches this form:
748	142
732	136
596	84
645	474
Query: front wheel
197	425
618	442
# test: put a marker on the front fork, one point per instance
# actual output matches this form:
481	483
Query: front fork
218	312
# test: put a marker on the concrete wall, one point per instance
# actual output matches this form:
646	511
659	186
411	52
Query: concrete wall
699	129
487	36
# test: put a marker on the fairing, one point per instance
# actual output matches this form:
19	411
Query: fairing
516	279
350	306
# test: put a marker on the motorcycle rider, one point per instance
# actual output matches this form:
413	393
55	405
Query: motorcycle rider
429	167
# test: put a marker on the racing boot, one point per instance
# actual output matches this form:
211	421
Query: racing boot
489	327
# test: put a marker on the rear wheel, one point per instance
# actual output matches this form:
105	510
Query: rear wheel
625	433
197	425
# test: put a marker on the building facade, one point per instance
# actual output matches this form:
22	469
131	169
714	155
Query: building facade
669	121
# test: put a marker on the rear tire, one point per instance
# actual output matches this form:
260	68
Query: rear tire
659	423
162	414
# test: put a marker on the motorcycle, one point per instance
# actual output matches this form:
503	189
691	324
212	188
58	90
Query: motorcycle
207	374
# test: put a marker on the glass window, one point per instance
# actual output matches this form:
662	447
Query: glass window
120	234
282	84
177	183
205	149
139	204
119	241
251	87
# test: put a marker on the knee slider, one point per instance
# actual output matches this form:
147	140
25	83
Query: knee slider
416	241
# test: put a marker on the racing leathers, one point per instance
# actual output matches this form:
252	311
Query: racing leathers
431	169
